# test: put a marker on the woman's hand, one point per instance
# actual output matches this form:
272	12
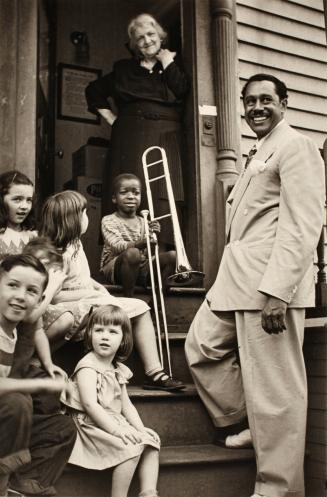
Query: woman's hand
128	434
108	116
166	57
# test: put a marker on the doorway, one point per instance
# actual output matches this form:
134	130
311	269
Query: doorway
102	25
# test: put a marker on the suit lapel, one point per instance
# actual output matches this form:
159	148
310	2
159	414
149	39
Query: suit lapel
264	153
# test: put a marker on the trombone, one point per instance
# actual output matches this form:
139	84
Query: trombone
184	274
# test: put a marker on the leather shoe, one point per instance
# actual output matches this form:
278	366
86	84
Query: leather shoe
242	440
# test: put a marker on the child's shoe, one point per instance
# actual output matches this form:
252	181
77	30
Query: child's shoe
161	381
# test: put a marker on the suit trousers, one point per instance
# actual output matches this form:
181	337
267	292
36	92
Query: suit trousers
240	369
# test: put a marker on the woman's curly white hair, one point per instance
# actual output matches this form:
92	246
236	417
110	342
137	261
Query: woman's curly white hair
140	21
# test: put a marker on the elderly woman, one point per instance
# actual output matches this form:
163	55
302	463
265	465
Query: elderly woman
148	91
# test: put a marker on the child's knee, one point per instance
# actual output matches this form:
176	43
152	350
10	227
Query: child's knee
65	321
132	255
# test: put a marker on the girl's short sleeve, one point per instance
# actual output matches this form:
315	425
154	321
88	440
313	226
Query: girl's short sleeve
124	374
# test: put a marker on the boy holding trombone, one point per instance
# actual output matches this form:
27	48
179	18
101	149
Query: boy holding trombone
124	258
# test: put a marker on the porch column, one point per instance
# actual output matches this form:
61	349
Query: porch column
224	66
18	80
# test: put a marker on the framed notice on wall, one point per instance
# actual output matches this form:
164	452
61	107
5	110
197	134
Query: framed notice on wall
72	81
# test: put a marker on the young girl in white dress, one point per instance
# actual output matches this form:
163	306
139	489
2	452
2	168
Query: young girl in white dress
110	432
64	220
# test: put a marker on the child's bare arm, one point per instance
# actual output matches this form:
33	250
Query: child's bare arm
32	385
56	279
132	416
42	347
129	411
87	386
114	239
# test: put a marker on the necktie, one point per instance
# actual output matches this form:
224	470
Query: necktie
252	152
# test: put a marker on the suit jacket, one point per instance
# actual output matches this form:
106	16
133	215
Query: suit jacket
274	222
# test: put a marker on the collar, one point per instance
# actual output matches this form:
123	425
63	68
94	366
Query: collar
260	142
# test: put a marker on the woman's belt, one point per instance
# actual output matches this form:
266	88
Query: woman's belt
153	116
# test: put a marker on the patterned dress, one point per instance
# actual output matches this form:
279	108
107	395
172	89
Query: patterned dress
12	242
79	278
95	448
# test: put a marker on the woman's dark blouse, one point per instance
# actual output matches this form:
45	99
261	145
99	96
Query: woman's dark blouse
130	82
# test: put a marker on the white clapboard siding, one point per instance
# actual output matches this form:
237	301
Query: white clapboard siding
287	38
285	61
281	43
297	82
293	11
279	24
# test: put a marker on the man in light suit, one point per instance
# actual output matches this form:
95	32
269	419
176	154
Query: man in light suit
257	303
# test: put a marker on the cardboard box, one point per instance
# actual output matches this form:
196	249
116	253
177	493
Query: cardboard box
91	188
90	160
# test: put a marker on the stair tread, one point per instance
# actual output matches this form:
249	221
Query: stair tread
171	291
138	391
191	454
203	454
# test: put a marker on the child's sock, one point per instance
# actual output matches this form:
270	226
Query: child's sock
149	493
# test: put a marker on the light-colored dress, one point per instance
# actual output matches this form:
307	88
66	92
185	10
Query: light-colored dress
79	278
95	448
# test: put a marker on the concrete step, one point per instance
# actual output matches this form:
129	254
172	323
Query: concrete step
179	366
68	356
181	303
179	418
185	471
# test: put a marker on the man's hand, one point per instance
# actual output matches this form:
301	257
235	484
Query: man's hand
273	315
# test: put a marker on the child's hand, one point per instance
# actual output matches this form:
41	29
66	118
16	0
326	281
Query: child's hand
140	244
56	279
128	434
54	370
152	434
155	226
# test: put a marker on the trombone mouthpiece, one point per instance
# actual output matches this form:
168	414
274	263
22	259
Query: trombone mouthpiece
144	213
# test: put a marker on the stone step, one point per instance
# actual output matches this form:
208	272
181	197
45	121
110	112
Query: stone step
185	471
179	366
179	418
181	304
68	356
